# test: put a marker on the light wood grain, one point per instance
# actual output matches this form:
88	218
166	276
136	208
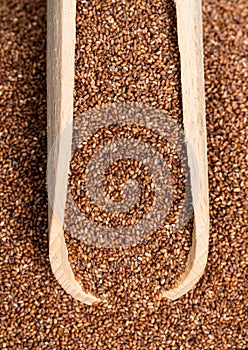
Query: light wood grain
61	34
190	40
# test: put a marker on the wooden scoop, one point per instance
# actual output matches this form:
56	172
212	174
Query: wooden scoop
61	34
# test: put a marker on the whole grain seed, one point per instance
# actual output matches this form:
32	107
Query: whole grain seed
35	312
143	75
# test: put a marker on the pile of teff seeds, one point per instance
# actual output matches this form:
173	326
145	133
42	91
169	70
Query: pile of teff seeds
126	52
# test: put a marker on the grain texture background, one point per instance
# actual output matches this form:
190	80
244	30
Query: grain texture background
35	311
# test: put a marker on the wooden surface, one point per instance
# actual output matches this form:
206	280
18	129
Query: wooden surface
61	34
190	40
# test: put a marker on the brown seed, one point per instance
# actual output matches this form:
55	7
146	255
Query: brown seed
40	314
